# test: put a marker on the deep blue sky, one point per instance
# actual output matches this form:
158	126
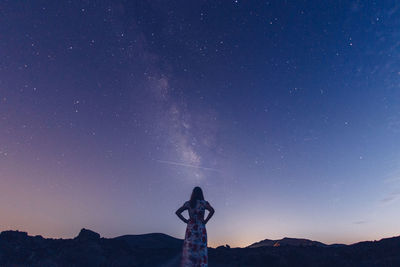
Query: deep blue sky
286	113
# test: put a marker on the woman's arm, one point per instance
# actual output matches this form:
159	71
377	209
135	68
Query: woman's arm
210	212
179	214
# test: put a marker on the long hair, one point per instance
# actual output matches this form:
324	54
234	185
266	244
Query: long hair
197	194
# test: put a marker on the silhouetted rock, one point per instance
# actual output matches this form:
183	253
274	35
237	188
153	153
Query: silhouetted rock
86	235
13	235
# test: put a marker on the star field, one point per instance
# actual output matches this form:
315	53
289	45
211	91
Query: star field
286	113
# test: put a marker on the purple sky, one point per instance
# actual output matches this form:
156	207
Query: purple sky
286	113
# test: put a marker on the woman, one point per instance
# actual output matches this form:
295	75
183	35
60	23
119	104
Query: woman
195	244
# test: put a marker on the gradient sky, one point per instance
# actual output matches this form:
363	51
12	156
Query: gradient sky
286	113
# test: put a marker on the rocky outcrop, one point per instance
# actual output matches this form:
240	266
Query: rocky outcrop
87	235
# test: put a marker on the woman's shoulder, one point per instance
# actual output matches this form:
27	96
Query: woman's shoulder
204	202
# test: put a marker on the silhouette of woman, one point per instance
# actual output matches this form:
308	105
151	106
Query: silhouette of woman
194	252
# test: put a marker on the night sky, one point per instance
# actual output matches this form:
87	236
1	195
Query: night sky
286	113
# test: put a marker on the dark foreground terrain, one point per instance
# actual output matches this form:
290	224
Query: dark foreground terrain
89	249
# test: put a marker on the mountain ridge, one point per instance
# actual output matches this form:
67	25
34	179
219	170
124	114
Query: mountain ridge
88	248
287	241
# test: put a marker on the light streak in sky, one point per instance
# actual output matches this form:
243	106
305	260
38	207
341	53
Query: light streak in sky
186	165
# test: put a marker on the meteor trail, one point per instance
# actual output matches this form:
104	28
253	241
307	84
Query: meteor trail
186	165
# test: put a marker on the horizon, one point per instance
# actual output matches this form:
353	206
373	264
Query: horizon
182	238
286	114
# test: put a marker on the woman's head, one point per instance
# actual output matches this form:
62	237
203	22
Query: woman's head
197	194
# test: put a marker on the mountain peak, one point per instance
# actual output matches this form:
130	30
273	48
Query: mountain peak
86	234
287	241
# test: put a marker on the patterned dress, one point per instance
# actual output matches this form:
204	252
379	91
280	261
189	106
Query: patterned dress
194	252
